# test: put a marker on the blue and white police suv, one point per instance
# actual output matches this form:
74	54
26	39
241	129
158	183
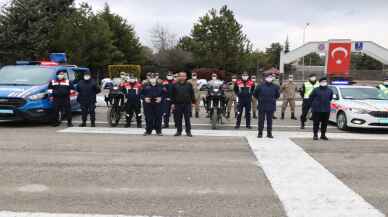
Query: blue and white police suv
358	107
24	90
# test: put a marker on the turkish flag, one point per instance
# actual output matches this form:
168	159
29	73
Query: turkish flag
339	54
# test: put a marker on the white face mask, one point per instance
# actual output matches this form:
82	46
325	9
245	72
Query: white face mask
245	78
254	79
170	78
195	77
234	80
291	79
269	79
313	79
60	76
153	81
214	78
131	80
87	77
323	83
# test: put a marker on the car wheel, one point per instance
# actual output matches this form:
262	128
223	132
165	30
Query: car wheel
342	121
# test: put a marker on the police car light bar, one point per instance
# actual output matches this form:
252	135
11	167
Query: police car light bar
343	82
48	63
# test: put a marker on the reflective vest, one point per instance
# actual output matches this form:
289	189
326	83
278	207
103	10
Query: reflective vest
308	89
383	88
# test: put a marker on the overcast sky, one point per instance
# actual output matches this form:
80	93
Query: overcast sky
263	21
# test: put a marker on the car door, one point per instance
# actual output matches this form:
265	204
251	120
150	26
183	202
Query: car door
73	94
334	104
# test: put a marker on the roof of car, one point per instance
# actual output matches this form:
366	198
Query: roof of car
351	86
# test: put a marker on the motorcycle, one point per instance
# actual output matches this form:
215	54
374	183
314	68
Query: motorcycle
116	106
216	105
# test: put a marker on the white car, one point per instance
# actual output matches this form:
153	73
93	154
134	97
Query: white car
359	107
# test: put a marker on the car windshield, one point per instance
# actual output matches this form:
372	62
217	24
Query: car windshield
25	75
363	94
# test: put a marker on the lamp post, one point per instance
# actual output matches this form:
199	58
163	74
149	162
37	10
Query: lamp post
304	41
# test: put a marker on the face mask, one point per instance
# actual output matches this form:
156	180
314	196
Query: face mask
170	78
323	83
87	77
153	81
254	79
195	77
60	77
132	80
234	80
313	79
269	79
245	78
291	79
214	78
123	77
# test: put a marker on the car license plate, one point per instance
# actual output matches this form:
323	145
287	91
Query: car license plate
383	120
6	111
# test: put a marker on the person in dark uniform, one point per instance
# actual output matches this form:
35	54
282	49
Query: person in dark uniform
152	95
168	85
132	91
60	89
87	91
320	100
183	97
307	89
244	89
266	95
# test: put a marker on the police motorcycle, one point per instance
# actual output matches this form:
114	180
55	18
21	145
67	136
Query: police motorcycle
116	105
216	103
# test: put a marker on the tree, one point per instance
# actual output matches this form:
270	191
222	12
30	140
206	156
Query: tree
273	53
86	38
287	46
218	41
124	38
26	25
363	61
162	39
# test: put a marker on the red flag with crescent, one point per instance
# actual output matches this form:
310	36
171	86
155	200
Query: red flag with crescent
339	54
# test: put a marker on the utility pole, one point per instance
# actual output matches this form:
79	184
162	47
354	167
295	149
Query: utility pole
304	41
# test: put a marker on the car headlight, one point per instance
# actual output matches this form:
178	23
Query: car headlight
359	110
38	96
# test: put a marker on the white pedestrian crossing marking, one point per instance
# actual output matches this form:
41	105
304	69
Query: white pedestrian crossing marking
305	187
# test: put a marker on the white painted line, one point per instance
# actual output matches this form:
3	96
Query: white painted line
304	186
223	133
224	125
31	214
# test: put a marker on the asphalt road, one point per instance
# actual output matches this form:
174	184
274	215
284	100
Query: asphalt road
45	170
362	165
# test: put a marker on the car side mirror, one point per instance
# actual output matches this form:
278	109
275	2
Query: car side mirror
335	97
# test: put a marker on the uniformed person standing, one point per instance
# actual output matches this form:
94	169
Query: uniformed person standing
60	90
194	82
152	95
266	95
183	97
168	85
289	90
132	91
307	89
244	89
230	95
384	86
320	100
254	100
87	93
235	98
